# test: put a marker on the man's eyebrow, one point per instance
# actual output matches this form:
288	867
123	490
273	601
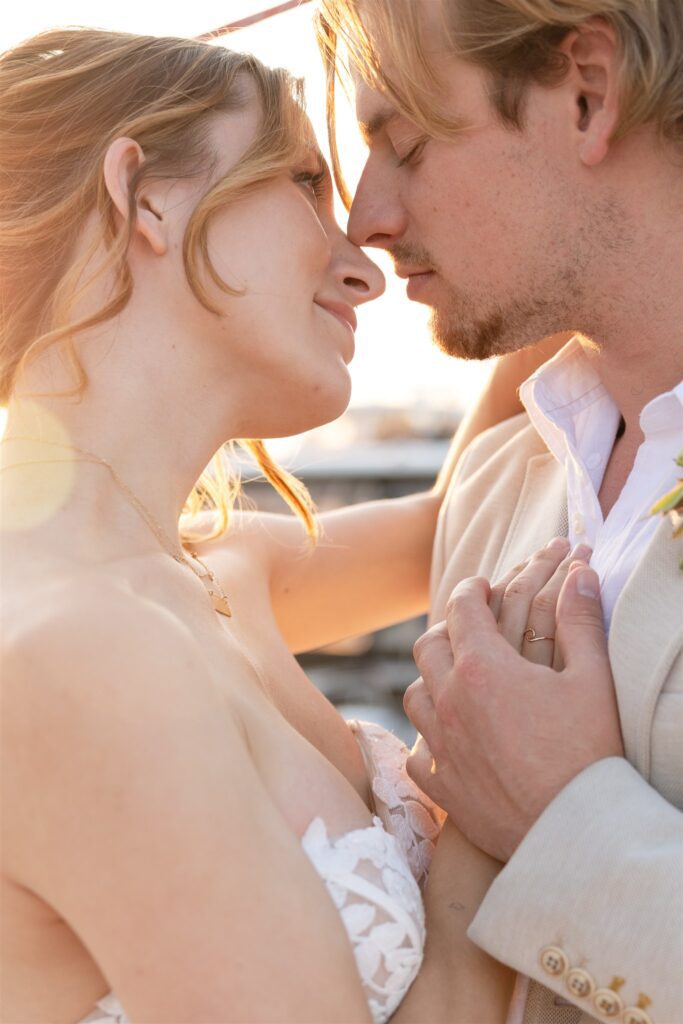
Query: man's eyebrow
369	129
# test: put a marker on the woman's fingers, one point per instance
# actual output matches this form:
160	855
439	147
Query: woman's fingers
513	618
539	637
498	589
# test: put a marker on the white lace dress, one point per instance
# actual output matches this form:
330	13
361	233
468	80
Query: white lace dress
374	876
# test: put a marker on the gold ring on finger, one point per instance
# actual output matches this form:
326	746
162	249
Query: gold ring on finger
530	636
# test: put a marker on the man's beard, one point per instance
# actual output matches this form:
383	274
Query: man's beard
470	327
461	329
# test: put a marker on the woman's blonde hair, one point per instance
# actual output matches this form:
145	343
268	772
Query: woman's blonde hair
516	42
65	95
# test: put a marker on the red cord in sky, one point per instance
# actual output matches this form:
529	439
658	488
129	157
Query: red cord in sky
251	19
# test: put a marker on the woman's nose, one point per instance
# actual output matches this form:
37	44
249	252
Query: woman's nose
360	277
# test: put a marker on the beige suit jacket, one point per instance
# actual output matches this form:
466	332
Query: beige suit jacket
593	896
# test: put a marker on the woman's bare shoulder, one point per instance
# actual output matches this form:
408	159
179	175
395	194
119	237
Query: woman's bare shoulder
74	630
94	660
98	688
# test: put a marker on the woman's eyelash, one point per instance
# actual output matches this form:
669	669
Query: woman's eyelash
316	180
413	153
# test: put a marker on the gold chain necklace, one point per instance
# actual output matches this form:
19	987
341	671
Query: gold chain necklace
218	597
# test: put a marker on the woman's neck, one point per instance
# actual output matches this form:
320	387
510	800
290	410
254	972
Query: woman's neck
127	470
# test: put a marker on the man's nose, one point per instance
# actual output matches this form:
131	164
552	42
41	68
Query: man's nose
377	217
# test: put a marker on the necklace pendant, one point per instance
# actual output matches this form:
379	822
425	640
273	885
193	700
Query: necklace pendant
220	604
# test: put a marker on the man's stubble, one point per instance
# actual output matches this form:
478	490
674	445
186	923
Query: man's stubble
560	292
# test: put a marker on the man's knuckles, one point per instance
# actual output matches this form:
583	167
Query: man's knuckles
471	668
417	703
446	710
435	639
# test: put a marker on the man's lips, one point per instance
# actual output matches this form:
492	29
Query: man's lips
341	311
412	271
418	278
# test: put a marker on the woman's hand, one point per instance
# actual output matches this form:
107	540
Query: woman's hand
524	601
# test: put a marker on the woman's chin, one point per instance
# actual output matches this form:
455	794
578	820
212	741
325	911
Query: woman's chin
315	409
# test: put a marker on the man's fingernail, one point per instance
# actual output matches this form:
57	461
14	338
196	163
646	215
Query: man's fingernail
587	583
558	544
582	551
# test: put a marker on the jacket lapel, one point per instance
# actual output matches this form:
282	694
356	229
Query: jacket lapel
540	513
645	638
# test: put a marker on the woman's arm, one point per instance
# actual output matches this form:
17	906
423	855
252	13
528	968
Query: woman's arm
458	982
370	569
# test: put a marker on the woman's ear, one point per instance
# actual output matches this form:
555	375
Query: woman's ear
593	54
121	162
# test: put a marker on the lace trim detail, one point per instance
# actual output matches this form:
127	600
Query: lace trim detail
108	1010
405	810
373	876
380	904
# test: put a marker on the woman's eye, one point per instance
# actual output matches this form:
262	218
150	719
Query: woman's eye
313	181
413	155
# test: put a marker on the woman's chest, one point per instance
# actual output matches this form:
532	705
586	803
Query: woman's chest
304	750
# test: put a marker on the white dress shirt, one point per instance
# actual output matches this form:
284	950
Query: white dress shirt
578	420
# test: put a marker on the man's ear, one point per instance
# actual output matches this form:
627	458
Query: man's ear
593	54
121	162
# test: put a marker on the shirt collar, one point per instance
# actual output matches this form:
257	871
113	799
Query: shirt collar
664	413
569	383
561	389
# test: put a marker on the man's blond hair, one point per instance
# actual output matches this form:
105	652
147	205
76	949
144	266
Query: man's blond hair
516	43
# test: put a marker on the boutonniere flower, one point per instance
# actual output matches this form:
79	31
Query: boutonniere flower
672	504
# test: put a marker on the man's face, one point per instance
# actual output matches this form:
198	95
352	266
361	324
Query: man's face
494	229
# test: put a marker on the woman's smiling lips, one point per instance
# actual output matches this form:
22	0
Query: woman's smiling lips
342	312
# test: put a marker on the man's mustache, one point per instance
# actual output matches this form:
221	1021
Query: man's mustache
404	254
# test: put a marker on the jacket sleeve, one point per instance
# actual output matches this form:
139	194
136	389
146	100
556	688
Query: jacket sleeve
591	902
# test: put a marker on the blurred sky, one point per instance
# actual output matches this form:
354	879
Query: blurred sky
395	363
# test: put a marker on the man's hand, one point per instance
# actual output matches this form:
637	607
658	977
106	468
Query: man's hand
502	735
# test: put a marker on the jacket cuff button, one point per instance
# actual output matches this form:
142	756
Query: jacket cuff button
554	961
580	983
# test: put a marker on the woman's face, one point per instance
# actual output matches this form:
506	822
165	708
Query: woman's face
281	349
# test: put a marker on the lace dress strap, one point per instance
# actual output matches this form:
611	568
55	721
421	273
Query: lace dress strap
403	808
